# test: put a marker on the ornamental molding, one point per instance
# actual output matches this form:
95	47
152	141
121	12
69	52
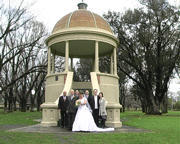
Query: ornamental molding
81	36
82	30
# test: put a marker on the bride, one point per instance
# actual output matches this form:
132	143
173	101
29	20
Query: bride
84	120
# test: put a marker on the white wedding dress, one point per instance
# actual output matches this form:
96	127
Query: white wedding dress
84	120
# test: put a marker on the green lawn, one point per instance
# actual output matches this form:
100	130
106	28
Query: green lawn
165	129
19	118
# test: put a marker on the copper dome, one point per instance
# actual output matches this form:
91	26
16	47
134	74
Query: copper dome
81	29
82	18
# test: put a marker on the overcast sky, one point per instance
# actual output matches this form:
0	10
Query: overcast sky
50	11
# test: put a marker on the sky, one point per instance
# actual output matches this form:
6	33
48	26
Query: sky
50	11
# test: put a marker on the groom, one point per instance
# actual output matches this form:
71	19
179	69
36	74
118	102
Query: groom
71	109
94	103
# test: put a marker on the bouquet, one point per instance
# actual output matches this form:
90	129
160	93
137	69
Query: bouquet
78	103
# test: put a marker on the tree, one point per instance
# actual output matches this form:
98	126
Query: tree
34	33
12	19
82	72
149	47
24	68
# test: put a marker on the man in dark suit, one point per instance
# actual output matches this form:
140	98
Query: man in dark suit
71	109
94	103
86	95
77	94
62	105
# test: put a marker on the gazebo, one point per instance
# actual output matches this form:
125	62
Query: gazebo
81	34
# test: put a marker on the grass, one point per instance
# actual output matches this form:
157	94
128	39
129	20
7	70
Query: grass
23	118
165	129
19	118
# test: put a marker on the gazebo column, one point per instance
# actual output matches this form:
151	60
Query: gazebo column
96	57
115	62
71	64
53	63
66	56
111	64
49	61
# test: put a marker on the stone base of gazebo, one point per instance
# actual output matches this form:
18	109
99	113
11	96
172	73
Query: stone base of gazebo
113	115
50	114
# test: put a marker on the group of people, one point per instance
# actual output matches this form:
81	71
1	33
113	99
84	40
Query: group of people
81	112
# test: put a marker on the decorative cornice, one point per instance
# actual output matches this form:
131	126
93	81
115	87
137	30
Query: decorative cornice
82	30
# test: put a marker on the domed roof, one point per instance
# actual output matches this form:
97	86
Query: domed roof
82	18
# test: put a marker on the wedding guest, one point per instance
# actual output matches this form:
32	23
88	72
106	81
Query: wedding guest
86	95
102	109
94	103
77	93
71	109
62	106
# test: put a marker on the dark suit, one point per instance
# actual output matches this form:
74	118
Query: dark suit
62	105
76	96
71	111
95	111
87	97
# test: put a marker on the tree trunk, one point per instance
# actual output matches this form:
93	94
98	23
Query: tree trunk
23	105
5	103
38	103
32	103
120	97
14	100
124	98
10	99
143	107
38	106
10	104
121	104
153	108
164	104
5	100
39	100
32	107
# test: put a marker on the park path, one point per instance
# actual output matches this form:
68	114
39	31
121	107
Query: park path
39	129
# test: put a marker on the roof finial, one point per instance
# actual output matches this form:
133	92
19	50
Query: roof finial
82	5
